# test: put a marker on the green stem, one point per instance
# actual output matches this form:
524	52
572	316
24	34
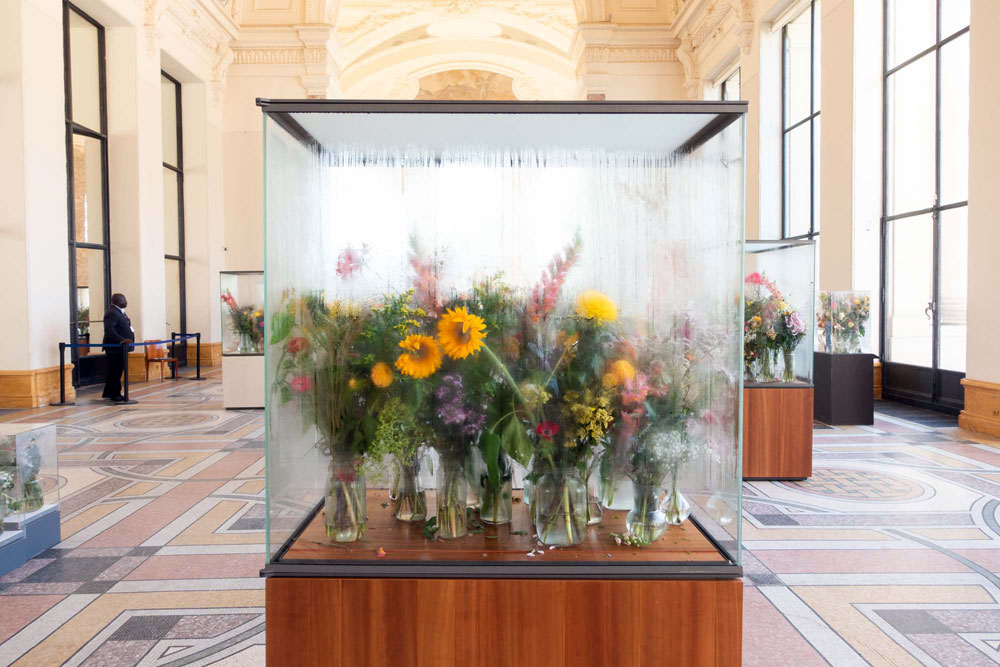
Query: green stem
498	363
569	522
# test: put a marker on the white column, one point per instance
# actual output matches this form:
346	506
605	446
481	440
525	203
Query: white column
203	208
34	272
135	186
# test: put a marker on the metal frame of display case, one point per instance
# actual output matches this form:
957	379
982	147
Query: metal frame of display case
529	603
777	425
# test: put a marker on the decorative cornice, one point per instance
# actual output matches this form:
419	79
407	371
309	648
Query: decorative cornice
269	56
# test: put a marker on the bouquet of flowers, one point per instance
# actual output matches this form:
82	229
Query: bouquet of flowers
771	326
848	317
247	322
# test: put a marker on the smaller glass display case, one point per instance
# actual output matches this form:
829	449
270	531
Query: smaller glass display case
778	301
242	303
29	471
842	322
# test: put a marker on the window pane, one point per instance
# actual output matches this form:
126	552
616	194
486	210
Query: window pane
88	190
954	16
816	174
955	120
910	133
84	72
797	201
954	287
90	294
797	69
171	221
173	295
817	41
909	265
168	101
911	28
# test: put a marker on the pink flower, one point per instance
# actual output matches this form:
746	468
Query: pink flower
755	278
301	384
635	391
795	323
350	261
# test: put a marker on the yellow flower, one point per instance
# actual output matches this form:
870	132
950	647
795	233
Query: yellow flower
352	383
755	320
421	357
381	375
619	372
596	306
460	333
257	313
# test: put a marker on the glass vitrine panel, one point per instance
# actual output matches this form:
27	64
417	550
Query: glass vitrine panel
29	470
242	303
534	301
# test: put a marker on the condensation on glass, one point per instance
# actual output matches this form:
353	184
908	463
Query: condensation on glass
360	198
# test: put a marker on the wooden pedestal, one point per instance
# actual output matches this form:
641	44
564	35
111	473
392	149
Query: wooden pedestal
844	388
503	622
777	431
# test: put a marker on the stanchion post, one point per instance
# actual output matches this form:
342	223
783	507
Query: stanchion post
125	368
62	373
173	355
197	355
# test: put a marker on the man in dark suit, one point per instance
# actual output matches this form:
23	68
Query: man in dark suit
117	330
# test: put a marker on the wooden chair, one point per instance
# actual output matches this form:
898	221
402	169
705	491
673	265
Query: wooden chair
156	354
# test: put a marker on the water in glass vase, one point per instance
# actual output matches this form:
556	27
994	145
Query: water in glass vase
646	521
411	498
452	499
497	501
560	508
675	505
345	502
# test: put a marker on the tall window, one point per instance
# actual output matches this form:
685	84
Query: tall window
925	193
731	86
173	204
800	87
87	176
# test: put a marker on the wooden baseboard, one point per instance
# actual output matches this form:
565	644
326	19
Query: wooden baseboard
982	407
211	354
501	622
34	388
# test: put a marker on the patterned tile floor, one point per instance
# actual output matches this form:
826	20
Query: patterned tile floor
888	555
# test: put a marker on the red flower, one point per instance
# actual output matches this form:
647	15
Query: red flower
755	278
301	384
296	345
547	430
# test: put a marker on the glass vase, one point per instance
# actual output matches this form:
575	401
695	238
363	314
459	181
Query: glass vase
246	344
475	468
765	369
675	506
452	498
497	499
394	487
646	521
345	501
561	508
613	492
594	511
411	498
34	497
788	374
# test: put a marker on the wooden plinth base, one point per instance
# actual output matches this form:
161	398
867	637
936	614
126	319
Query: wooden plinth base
499	623
777	431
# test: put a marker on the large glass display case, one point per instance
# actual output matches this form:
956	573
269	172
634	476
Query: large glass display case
778	302
557	285
842	322
242	303
29	485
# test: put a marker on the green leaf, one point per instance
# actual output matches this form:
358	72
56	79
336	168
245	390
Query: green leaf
431	528
286	394
492	455
281	326
515	441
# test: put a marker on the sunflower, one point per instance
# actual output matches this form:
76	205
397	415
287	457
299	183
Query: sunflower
596	306
381	375
421	357
460	333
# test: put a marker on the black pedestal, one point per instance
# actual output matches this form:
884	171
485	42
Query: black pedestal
844	388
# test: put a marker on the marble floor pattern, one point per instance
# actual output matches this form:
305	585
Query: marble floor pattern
888	555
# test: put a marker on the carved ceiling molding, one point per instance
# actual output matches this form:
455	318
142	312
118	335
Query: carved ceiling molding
628	54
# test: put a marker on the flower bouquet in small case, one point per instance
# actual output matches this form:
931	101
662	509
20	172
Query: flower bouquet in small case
848	319
247	322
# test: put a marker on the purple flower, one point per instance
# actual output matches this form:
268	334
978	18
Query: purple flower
453	410
795	323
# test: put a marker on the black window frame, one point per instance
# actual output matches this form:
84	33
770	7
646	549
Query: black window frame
178	170
724	86
100	134
787	128
933	388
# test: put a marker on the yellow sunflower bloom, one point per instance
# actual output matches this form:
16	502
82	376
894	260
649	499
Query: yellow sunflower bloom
461	333
381	375
421	357
593	305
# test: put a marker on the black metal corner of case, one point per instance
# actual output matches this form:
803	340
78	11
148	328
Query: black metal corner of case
263	102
